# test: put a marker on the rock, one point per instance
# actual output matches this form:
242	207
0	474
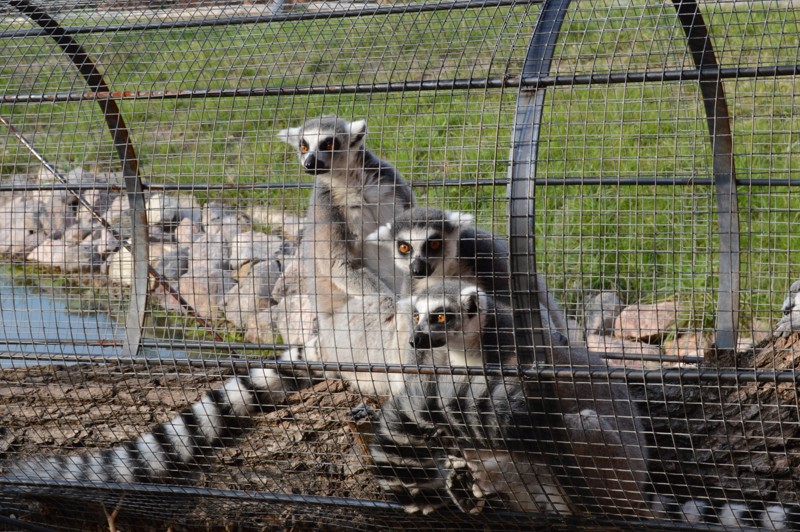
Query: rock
118	209
157	233
260	328
252	247
118	215
53	210
252	293
75	233
168	211
119	267
104	242
187	232
210	251
19	241
290	226
170	260
636	355
600	311
189	207
98	200
67	256
41	210
7	196
165	298
219	218
161	209
290	282
46	176
204	288
20	228
646	322
691	344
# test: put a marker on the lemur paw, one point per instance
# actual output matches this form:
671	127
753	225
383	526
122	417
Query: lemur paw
363	412
424	508
462	489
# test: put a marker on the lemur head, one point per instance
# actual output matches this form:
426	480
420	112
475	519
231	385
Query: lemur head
422	239
454	315
326	143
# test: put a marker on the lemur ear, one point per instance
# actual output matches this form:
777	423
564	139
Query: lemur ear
460	218
290	136
471	299
358	130
384	232
795	288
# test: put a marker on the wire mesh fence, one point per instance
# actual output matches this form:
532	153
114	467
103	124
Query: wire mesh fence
220	310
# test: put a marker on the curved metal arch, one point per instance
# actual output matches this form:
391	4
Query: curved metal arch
719	128
130	167
522	171
141	268
521	187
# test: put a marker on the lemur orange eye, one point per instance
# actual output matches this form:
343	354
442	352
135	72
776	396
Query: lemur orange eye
328	146
303	148
416	318
404	248
441	318
435	244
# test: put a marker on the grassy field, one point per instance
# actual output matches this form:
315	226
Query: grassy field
650	243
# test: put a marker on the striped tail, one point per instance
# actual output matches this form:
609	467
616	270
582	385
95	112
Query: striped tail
738	515
174	450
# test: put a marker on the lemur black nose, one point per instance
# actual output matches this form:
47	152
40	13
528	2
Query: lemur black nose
310	163
420	341
420	268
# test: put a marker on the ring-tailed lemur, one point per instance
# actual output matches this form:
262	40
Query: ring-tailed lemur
352	287
468	439
471	440
370	329
432	245
355	193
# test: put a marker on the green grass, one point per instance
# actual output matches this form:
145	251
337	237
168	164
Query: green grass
651	243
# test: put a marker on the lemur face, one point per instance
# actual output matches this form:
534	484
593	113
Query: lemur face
419	250
446	313
422	239
325	144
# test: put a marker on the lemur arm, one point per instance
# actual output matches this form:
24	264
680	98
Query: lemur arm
335	256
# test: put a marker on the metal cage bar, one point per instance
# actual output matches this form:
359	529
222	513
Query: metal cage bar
130	166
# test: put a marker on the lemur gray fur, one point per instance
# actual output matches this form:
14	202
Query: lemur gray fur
431	245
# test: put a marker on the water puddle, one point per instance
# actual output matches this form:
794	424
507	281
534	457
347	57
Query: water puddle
41	327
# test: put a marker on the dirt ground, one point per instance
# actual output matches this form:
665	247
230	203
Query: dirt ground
307	447
719	437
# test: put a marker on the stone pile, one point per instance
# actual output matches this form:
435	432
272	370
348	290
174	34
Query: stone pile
647	336
213	255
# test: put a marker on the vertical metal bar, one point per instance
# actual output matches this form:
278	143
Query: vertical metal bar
521	188
531	349
130	167
719	127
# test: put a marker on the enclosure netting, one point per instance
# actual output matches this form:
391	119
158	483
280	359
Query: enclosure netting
138	133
